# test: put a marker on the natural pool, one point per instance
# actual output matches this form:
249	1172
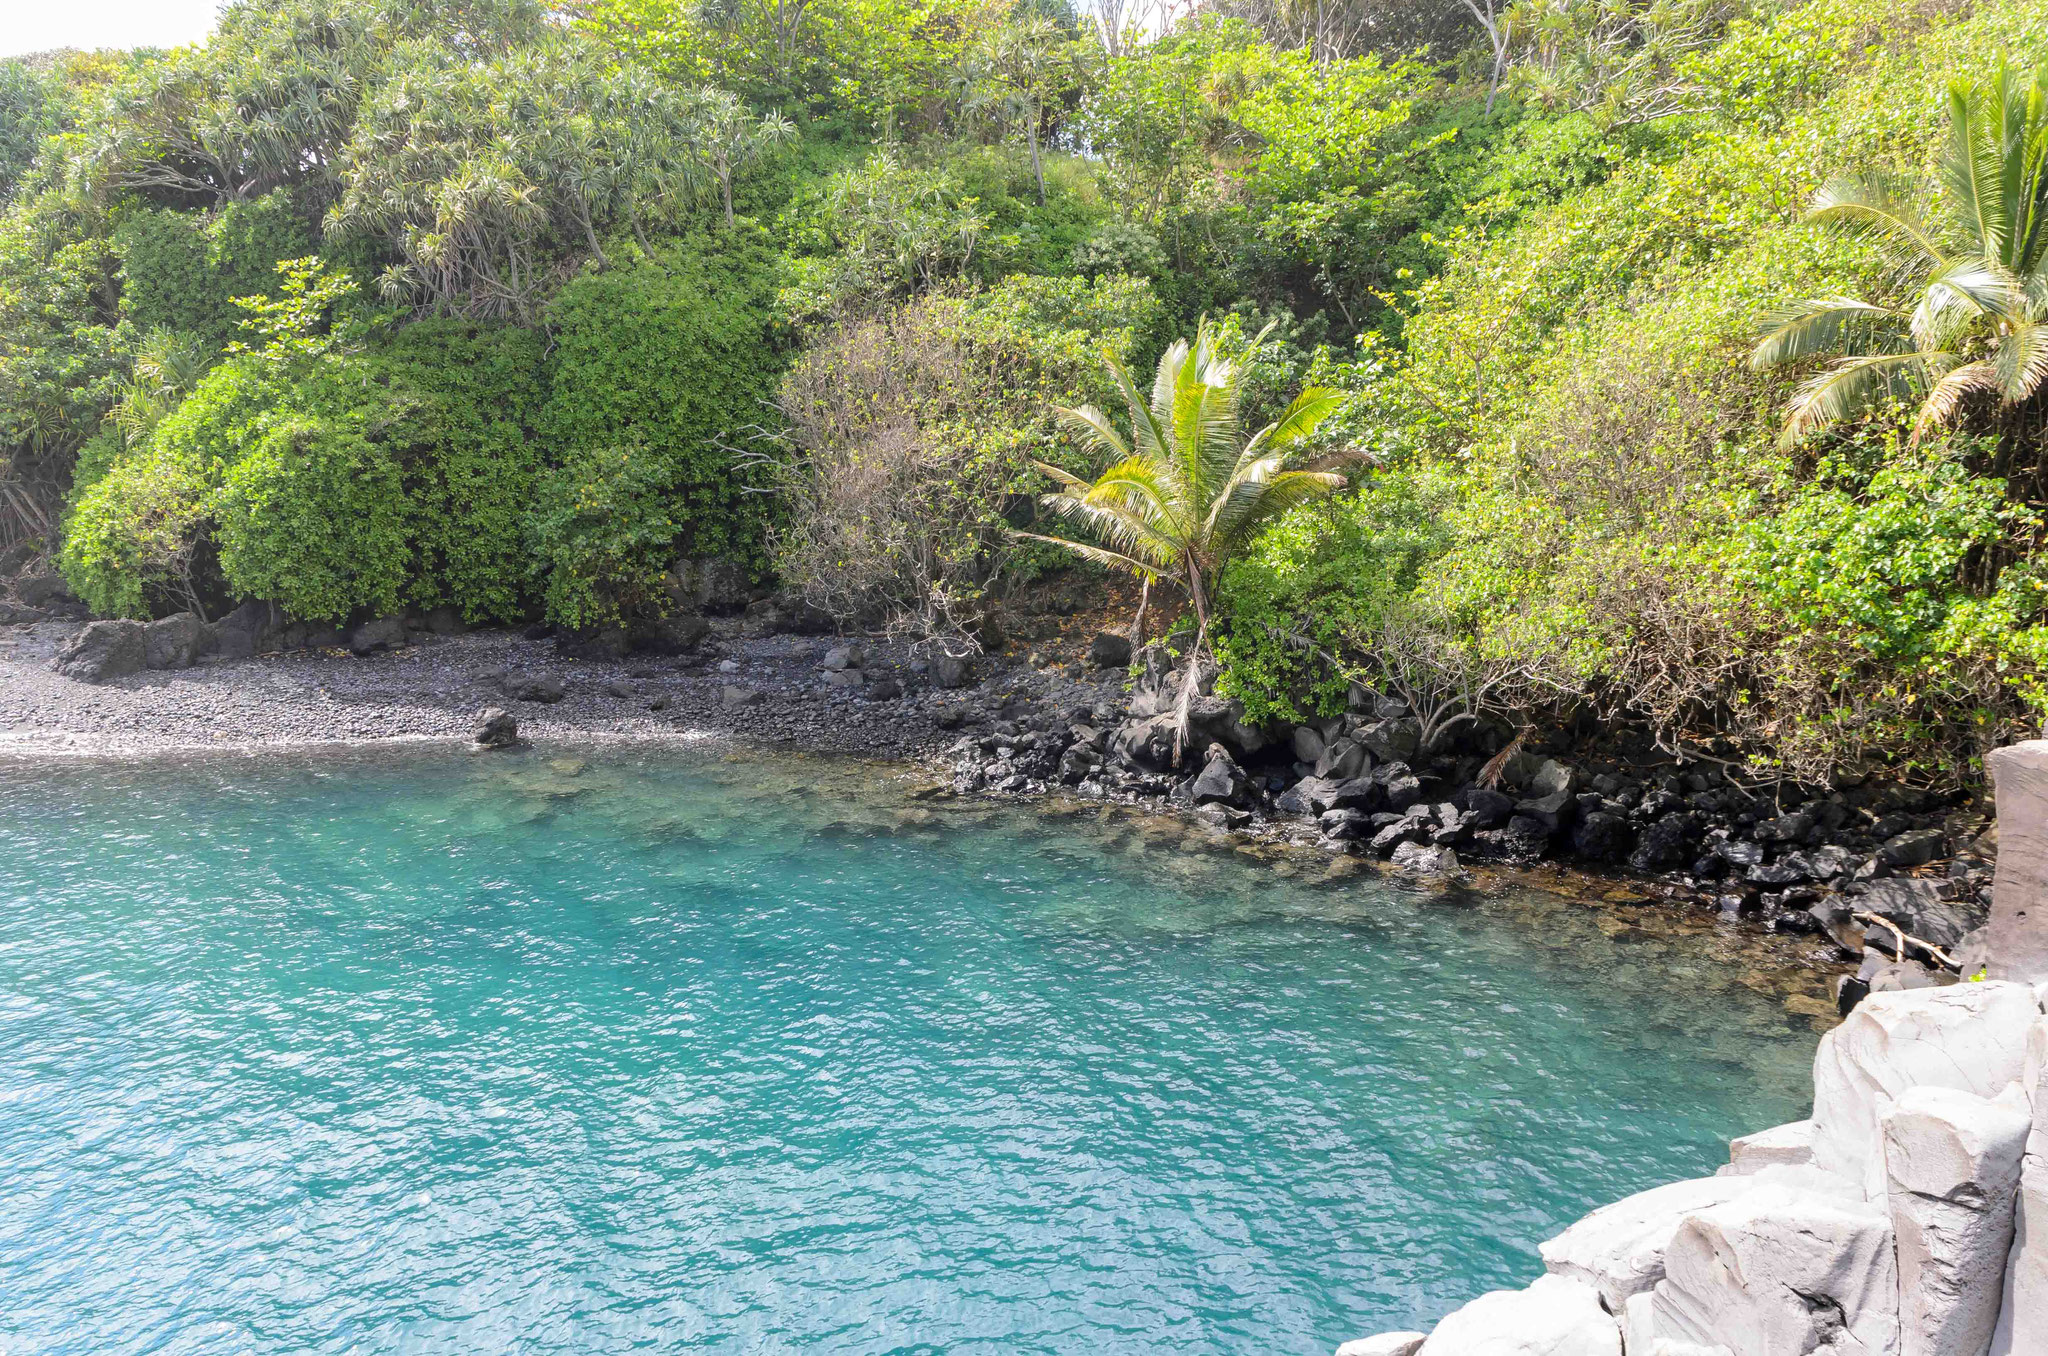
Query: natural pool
665	1049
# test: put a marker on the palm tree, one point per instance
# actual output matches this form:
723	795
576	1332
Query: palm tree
1980	321
1187	490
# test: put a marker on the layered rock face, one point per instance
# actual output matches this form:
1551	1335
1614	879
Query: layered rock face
1908	1217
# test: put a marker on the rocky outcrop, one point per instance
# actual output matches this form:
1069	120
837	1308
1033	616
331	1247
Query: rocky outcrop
1553	1317
1952	1167
1796	862
174	642
495	729
1968	1037
1908	1217
103	651
2019	914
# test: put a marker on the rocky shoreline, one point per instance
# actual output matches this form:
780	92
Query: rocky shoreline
1087	720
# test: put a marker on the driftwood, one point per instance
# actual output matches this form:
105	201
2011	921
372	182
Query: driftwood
1906	939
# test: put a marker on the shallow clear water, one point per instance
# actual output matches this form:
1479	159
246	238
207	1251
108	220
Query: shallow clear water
666	1050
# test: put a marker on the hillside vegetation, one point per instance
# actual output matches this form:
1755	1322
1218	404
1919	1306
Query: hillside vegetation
520	309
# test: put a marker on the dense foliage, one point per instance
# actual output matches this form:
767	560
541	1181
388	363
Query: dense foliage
516	307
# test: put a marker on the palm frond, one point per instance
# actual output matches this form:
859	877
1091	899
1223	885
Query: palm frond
1299	421
1826	325
1876	205
1954	296
1092	426
1939	409
1848	387
1097	554
2022	361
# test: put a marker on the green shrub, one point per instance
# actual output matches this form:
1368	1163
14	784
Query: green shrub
1306	605
182	270
472	465
313	516
602	535
677	356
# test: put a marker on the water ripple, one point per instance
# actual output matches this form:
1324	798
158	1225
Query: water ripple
664	1051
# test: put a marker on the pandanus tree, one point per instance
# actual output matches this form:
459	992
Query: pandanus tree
1977	324
1186	491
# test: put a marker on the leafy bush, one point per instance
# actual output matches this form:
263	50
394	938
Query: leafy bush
602	535
1308	603
675	355
312	516
181	270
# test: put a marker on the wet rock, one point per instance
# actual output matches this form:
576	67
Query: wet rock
1221	780
496	729
1952	1163
1553	1317
1924	908
1110	651
173	642
102	651
1422	859
1603	837
1552	812
1664	845
377	637
1485	808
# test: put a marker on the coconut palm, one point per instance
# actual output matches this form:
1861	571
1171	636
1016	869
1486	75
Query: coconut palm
1187	490
1980	321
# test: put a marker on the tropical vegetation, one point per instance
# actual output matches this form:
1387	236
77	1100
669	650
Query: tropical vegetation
1684	358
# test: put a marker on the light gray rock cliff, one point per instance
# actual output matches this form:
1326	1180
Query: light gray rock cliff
1952	1166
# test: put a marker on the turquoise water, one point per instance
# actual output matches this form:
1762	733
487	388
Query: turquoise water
662	1050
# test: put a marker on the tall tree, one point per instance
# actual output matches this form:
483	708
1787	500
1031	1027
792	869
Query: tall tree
1186	491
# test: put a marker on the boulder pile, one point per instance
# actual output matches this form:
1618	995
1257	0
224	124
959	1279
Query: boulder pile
1381	781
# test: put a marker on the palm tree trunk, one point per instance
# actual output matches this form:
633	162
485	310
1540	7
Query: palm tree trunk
1138	622
1184	711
